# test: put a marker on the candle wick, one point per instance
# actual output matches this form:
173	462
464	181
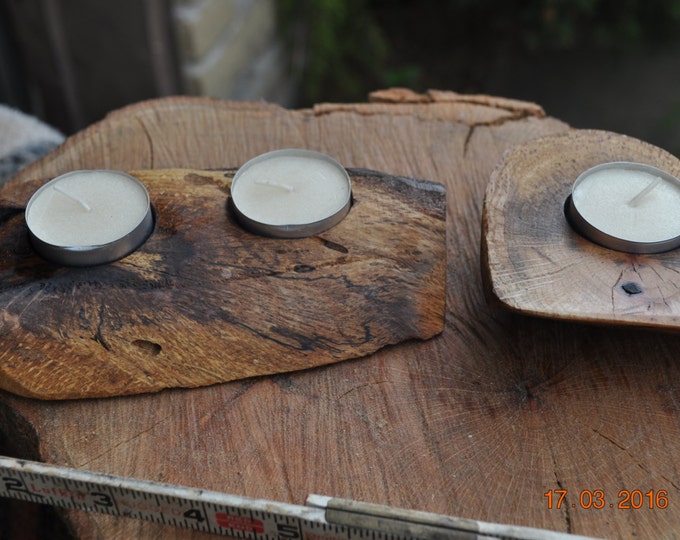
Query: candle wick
75	198
274	183
635	200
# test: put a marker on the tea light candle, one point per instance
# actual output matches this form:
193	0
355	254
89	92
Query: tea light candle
291	193
84	218
627	206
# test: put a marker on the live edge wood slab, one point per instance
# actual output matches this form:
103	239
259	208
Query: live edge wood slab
535	263
480	421
204	301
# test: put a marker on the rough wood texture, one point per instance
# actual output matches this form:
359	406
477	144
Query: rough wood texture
480	421
535	263
204	301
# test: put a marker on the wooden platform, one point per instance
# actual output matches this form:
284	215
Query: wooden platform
480	421
204	301
535	263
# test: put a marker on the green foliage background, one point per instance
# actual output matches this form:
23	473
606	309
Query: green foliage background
346	48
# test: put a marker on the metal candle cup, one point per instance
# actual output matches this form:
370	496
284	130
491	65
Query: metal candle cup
291	193
86	218
627	206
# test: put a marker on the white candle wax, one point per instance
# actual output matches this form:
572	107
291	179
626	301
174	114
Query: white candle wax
89	217
628	206
291	193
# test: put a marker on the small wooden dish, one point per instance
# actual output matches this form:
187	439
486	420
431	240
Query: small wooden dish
204	301
534	263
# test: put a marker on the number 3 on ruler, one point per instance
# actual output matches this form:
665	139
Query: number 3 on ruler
102	499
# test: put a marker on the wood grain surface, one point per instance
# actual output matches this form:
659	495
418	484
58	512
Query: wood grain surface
204	301
535	263
480	421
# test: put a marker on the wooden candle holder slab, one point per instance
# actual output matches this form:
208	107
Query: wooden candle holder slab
533	262
203	301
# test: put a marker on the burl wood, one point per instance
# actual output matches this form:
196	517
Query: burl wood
480	421
535	263
204	301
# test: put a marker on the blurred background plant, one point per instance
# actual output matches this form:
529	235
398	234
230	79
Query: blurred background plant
337	45
594	63
350	46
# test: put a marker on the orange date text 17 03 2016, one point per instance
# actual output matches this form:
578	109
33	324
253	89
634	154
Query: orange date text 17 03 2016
596	499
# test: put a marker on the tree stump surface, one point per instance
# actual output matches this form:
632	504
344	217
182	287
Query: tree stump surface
535	263
481	421
204	301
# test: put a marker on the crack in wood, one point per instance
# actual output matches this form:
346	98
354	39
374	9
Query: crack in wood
623	449
359	387
149	140
136	435
333	245
514	115
618	280
99	336
567	513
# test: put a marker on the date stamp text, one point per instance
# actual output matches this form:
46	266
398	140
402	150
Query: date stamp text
626	499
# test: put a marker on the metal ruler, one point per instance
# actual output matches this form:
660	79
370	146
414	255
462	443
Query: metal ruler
322	518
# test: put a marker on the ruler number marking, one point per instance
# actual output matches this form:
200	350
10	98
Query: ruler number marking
102	499
195	515
191	508
289	530
16	485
